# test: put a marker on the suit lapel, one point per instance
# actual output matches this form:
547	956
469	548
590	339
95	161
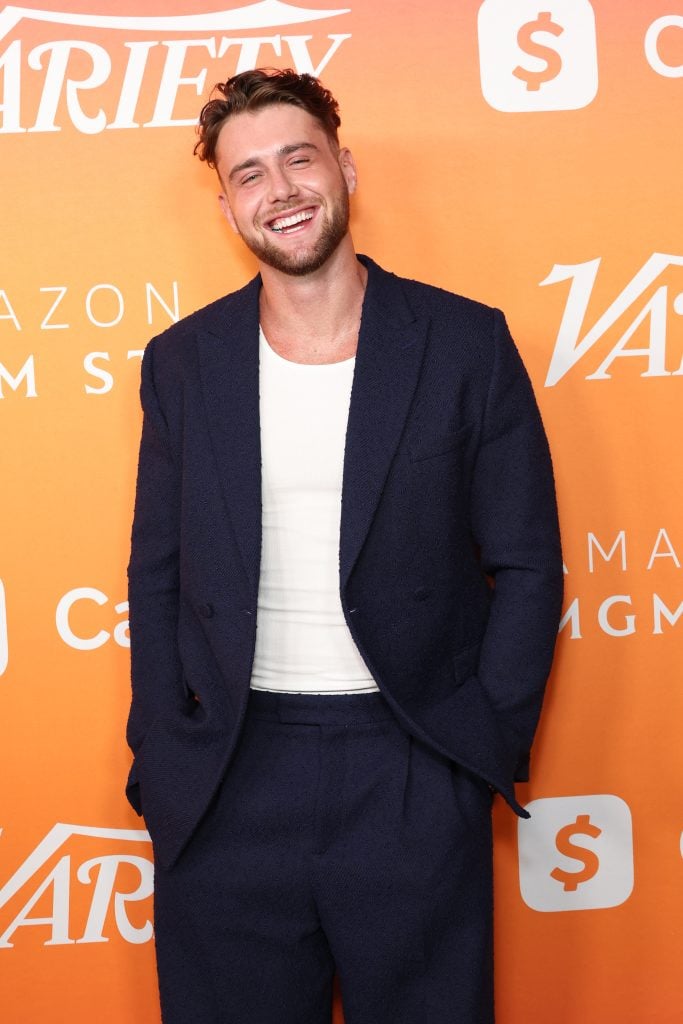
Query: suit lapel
388	359
229	370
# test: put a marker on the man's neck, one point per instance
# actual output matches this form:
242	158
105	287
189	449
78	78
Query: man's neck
315	318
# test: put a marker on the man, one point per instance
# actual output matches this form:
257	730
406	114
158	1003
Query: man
345	587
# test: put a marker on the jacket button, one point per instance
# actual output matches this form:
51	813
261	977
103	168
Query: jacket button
421	593
206	610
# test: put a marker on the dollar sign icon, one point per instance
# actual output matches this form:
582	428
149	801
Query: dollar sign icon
563	841
553	62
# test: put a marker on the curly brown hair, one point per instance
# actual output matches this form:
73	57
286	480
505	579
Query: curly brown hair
253	90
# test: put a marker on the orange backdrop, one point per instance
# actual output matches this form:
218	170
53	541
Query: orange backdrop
527	154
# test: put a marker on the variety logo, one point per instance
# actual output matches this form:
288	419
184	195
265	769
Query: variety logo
102	873
576	853
4	643
652	317
135	67
537	55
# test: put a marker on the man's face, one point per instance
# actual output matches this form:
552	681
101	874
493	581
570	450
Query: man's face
286	187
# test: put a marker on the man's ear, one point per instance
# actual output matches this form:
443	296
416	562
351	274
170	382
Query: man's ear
348	168
227	212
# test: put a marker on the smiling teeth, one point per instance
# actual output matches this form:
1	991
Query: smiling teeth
289	222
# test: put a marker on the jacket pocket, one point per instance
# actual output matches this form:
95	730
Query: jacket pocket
432	447
466	662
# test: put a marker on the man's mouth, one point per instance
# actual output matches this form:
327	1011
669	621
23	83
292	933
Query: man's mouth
283	225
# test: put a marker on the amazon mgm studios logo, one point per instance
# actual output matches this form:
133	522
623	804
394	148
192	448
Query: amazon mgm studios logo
93	72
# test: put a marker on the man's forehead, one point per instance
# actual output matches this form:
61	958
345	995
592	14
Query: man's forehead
267	131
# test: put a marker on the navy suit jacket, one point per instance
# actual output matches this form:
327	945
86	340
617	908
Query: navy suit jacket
450	569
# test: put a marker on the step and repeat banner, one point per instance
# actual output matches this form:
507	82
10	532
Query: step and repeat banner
524	152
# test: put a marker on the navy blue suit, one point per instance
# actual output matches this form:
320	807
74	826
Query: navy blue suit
450	563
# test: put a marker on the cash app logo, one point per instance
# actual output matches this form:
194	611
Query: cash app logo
536	55
568	843
576	853
548	63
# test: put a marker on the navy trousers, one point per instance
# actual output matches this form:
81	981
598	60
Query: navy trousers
337	843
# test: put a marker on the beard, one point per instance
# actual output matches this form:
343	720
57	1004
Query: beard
309	258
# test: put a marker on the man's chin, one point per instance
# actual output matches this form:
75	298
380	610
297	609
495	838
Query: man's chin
296	263
296	266
303	259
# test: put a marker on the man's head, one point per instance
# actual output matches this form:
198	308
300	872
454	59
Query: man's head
272	138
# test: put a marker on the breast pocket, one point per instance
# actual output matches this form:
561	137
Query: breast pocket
441	444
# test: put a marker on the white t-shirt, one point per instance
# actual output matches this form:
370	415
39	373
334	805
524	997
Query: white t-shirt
303	644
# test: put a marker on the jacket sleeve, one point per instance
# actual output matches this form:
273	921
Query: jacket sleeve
153	572
515	524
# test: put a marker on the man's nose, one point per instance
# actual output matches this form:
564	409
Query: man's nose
281	186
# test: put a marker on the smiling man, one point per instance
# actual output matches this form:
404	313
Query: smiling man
345	586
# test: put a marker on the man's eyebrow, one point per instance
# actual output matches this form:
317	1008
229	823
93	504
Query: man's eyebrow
294	146
254	161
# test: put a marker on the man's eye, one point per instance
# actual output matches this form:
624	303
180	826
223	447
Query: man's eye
249	178
301	160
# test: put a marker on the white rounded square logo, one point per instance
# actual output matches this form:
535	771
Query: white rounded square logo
537	55
576	853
